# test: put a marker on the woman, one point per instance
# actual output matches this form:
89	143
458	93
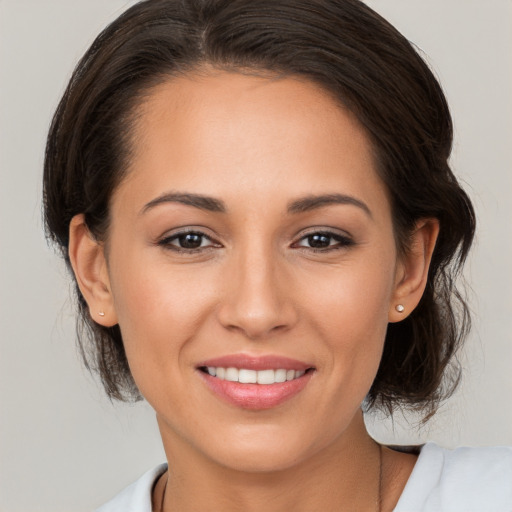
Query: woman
256	203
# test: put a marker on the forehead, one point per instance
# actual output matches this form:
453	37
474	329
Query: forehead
222	133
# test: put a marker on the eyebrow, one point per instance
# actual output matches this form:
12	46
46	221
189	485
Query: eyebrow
196	200
211	204
313	202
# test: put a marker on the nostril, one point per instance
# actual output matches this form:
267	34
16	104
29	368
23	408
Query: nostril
256	307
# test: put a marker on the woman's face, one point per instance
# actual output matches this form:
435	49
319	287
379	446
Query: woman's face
252	232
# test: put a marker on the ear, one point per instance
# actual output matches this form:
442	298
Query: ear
89	264
412	269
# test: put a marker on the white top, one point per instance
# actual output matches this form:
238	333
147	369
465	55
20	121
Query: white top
461	480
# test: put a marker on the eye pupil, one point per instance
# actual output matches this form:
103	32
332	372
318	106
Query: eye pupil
190	241
319	240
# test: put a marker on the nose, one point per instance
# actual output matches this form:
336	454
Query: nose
258	296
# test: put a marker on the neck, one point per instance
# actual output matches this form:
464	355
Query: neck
346	475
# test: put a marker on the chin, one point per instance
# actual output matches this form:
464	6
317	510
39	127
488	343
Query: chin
257	459
265	450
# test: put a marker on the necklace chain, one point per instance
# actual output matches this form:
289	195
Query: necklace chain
379	495
163	495
379	489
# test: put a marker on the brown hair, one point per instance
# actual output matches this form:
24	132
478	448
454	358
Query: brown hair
351	52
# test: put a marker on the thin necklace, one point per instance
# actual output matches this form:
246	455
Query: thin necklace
163	494
379	495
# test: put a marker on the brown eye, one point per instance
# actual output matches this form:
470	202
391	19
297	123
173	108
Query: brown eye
190	240
187	241
319	240
324	241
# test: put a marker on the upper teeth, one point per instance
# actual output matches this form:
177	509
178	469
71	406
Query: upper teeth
254	376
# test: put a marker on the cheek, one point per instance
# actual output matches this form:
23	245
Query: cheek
350	309
159	310
354	297
354	326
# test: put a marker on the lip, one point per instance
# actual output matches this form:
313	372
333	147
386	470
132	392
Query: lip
250	362
255	396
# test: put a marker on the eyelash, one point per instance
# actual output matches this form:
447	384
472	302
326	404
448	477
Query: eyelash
167	242
342	242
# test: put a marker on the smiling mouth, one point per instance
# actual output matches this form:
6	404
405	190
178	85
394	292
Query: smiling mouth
247	376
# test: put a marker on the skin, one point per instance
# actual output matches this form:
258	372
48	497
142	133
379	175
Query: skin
255	286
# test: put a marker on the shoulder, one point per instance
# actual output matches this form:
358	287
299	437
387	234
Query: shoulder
464	479
137	496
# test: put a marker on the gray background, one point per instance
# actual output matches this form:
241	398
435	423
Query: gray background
63	446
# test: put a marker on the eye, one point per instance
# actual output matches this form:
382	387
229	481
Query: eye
324	241
188	241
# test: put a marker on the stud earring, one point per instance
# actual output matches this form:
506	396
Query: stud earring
400	308
101	313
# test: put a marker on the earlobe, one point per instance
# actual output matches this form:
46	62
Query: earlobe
89	265
412	270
